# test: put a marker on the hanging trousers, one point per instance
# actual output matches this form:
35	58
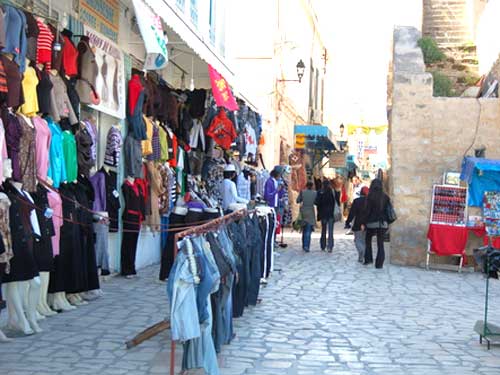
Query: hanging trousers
131	228
167	254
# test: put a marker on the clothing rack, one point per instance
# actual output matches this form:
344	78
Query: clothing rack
198	230
201	229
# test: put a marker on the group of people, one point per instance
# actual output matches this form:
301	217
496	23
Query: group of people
368	217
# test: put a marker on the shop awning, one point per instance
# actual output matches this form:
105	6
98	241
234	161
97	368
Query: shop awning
481	175
174	18
470	164
315	137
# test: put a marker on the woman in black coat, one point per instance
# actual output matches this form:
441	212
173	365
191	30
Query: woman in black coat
325	202
375	222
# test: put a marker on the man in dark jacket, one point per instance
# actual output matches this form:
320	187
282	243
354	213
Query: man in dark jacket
356	212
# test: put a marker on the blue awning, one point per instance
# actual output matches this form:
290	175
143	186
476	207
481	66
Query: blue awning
318	137
481	175
470	164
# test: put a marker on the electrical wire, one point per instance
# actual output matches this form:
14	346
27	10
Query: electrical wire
477	127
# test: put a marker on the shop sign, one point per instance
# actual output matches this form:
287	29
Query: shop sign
155	41
110	80
102	15
338	159
300	141
221	90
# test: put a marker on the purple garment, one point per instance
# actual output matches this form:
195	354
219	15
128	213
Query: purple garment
98	182
155	142
13	134
196	204
91	128
270	193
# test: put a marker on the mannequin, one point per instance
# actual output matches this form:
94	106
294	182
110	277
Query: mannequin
58	300
14	291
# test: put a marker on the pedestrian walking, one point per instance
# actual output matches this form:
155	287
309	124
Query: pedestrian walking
375	221
307	197
354	222
326	200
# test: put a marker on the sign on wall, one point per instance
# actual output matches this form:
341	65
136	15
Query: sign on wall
110	81
152	34
102	15
338	159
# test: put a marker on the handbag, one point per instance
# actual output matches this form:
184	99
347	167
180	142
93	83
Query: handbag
337	215
299	223
390	213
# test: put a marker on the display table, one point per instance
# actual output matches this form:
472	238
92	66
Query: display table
481	233
447	240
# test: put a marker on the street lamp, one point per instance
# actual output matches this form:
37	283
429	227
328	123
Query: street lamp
301	67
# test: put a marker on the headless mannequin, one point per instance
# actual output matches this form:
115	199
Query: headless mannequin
15	292
58	300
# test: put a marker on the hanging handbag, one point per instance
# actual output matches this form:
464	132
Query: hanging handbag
390	213
337	215
299	223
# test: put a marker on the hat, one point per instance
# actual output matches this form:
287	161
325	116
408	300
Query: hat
229	168
365	190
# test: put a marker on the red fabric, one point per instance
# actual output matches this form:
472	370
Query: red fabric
278	224
481	233
447	239
70	57
221	90
343	195
222	130
135	88
173	155
44	45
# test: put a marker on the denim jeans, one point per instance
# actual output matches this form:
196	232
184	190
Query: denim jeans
326	224
306	236
208	283
181	293
359	241
256	245
101	247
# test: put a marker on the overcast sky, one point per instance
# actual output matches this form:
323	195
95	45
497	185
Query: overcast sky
358	37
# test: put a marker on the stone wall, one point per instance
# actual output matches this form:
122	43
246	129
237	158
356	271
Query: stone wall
427	137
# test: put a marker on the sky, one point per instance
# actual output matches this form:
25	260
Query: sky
357	34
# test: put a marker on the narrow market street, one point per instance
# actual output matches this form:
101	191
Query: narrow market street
322	314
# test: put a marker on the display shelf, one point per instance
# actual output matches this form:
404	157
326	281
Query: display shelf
449	205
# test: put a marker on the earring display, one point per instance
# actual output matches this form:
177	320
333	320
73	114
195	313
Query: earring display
449	205
491	212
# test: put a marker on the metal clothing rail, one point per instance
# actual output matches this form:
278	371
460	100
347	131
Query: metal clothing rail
197	230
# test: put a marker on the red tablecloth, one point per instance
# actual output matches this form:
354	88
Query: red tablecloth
481	233
447	239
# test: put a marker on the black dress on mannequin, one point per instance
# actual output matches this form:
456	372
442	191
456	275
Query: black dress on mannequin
43	247
23	265
84	193
133	215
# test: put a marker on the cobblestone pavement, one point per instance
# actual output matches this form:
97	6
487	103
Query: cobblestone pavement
322	314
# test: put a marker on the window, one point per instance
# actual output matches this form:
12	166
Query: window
212	21
181	4
194	12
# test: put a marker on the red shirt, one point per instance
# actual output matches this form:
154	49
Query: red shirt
44	45
70	57
135	88
222	130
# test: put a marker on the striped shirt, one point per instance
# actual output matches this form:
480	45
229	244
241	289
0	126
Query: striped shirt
113	147
155	141
3	78
44	44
